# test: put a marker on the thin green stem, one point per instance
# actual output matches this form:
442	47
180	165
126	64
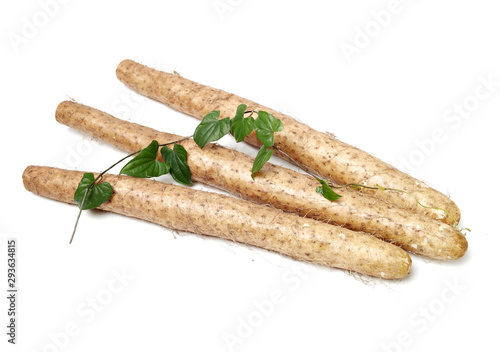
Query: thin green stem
292	160
79	214
177	141
378	187
100	176
427	207
251	112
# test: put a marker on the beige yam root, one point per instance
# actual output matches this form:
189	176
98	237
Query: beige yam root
212	214
324	154
280	187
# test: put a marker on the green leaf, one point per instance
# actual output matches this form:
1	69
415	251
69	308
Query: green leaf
211	129
262	157
96	195
326	191
145	164
241	126
177	160
265	126
380	188
240	111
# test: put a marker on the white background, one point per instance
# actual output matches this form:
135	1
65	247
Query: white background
189	293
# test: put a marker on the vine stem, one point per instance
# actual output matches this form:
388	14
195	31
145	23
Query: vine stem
101	175
295	163
251	112
80	207
378	187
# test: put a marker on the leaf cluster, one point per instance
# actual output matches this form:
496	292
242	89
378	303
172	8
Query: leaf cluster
212	129
146	165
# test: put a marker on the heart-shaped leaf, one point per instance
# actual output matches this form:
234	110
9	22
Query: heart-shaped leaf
262	157
241	126
265	126
211	129
145	165
326	191
96	195
177	161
